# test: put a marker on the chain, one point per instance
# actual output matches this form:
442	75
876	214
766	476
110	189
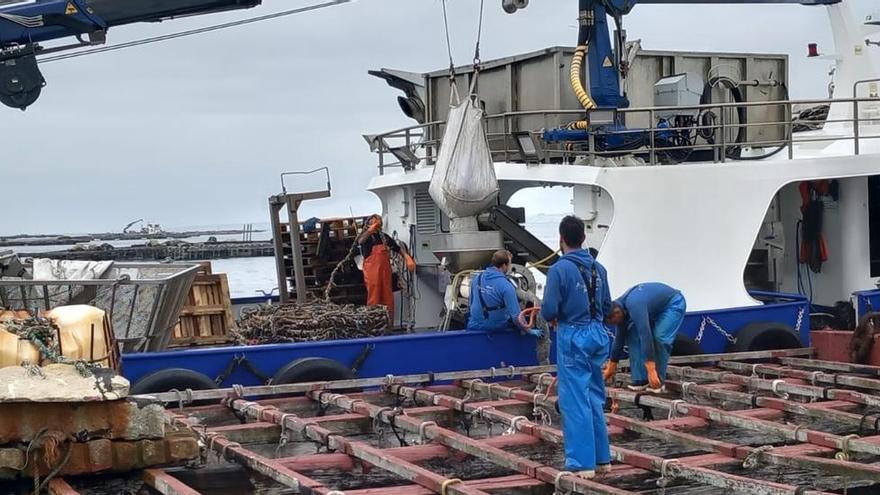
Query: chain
800	320
708	320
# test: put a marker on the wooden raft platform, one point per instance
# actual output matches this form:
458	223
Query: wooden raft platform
768	422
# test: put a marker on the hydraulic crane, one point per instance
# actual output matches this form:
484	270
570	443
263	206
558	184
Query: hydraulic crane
24	24
606	60
608	65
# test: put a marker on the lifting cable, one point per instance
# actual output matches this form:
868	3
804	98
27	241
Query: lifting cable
191	32
448	43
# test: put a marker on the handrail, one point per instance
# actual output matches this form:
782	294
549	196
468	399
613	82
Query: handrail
500	141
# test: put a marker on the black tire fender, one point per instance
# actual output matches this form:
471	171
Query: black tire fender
312	369
172	378
765	336
685	346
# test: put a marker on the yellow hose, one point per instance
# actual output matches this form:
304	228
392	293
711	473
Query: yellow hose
576	84
540	263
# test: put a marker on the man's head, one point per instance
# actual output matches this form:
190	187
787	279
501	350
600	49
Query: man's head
571	233
374	223
617	314
502	259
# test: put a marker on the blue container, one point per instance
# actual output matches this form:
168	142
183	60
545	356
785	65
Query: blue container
450	351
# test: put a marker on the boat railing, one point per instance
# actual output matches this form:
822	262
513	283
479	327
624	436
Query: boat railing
715	131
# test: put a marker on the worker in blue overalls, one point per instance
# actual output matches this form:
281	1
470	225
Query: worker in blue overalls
493	302
576	296
647	317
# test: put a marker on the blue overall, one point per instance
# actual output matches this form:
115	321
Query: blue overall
582	346
493	302
654	314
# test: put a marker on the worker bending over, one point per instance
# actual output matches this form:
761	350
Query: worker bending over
577	297
376	248
647	317
493	302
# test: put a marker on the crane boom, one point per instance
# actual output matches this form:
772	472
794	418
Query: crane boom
26	23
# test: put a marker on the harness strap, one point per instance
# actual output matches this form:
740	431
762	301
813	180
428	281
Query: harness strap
486	309
591	287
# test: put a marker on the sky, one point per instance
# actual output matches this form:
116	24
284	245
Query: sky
195	131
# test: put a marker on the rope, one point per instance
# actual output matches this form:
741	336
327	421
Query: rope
684	389
774	385
446	483
514	425
40	485
528	317
479	35
557	479
448	43
191	32
283	438
752	459
422	426
665	478
843	455
672	406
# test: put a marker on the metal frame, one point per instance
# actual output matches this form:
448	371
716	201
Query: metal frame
450	416
291	203
163	315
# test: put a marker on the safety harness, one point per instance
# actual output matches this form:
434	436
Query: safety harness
486	309
591	287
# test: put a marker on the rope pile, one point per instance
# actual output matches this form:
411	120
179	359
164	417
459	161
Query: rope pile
315	321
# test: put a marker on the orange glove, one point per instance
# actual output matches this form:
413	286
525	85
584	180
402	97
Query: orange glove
410	263
374	227
609	370
653	377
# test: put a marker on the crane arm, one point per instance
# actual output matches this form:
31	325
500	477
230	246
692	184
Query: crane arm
24	24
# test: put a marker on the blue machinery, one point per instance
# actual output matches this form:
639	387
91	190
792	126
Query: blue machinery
608	65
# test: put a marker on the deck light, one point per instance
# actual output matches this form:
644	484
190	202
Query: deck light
812	50
528	146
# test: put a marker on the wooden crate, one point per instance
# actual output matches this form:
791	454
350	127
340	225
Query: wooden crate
206	316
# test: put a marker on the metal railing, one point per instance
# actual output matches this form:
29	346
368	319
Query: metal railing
142	300
416	145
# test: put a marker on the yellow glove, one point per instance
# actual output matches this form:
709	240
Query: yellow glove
609	370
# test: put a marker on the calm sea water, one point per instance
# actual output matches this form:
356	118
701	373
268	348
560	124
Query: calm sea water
251	276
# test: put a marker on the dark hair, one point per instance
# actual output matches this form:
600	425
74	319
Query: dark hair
571	228
501	258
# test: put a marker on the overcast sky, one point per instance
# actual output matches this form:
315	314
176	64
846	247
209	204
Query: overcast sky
195	131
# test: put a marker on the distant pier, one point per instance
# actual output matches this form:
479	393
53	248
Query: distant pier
176	252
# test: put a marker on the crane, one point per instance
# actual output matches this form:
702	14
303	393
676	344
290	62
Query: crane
608	66
125	230
24	24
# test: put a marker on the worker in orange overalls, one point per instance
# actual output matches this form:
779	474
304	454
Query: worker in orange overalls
376	247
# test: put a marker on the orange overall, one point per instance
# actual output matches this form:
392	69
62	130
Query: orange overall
377	278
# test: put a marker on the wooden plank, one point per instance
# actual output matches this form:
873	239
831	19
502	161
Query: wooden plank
166	484
57	486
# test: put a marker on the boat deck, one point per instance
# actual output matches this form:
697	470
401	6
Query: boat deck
768	422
